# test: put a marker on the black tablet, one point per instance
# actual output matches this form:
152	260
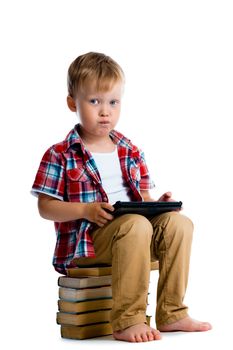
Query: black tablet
145	208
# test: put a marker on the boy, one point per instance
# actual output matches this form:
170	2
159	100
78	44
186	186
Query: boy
78	181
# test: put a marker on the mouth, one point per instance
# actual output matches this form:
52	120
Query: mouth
104	123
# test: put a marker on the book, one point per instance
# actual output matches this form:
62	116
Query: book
98	270
84	282
86	332
83	318
71	294
84	306
89	271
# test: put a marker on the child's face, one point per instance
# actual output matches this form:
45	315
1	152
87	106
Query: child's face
99	111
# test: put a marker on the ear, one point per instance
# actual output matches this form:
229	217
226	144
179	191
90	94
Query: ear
71	104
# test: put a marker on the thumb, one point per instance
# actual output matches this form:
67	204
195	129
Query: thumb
168	194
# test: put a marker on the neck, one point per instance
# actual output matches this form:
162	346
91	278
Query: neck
97	143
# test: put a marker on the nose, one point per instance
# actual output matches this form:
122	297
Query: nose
104	111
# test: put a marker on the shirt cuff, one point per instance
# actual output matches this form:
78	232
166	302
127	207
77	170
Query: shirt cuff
35	193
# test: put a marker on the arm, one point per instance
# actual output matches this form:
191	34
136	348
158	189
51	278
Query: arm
53	209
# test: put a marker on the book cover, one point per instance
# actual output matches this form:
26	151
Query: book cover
98	270
83	318
84	282
89	271
86	332
84	306
71	294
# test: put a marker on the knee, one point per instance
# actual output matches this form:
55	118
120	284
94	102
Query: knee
181	220
137	226
180	225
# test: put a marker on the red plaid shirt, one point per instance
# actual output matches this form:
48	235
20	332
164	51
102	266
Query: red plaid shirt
68	172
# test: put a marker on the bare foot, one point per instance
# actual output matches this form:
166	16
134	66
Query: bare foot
187	324
137	333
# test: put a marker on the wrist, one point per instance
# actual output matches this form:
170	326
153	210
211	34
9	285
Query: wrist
84	210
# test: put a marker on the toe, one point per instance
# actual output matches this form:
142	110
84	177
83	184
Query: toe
132	339
145	336
150	336
138	338
156	334
205	326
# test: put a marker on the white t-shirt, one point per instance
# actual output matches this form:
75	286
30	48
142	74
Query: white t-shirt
108	165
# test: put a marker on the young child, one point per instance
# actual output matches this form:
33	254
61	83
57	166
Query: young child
78	181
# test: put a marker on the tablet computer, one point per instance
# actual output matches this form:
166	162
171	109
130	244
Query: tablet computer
145	208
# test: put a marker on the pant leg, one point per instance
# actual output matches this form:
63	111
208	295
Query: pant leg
171	245
125	243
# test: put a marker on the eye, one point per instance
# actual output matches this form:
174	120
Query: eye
114	102
94	101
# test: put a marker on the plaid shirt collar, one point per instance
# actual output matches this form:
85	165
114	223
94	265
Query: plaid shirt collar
73	139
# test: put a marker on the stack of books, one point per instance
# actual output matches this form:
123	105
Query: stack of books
85	303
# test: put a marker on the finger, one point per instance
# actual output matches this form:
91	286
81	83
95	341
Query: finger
104	214
108	206
168	194
99	223
102	220
167	197
179	209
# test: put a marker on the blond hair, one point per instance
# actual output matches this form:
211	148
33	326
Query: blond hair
95	68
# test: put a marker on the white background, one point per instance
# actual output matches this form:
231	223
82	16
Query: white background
177	57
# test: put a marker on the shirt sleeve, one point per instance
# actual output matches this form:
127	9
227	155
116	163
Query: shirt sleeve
146	182
50	176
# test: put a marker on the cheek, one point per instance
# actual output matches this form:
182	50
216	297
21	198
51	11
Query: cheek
117	113
86	111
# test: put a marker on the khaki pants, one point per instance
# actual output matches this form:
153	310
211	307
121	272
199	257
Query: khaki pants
129	243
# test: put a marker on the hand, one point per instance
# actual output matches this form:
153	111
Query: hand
95	212
166	197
